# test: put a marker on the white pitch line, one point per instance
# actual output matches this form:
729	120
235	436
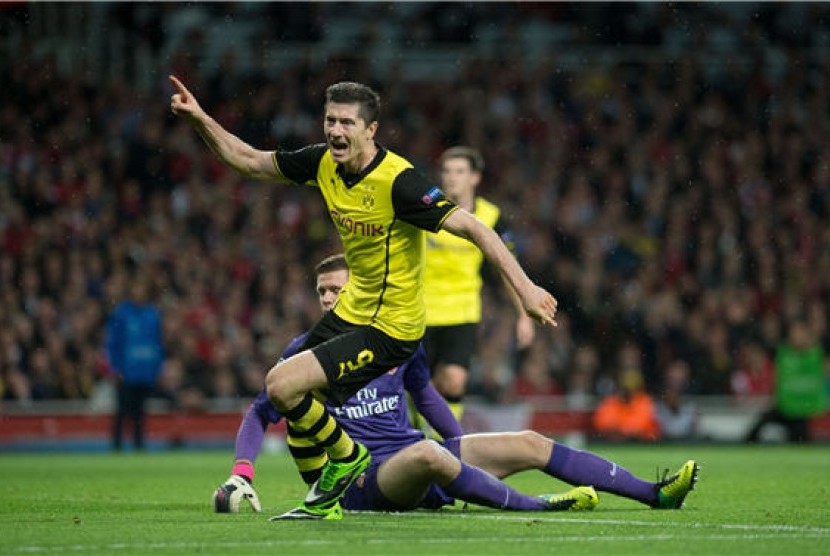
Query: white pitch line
553	519
284	543
772	531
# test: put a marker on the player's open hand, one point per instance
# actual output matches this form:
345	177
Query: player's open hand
541	305
183	103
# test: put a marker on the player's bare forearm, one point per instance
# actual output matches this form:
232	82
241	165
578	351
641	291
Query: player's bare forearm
233	151
466	225
514	298
538	303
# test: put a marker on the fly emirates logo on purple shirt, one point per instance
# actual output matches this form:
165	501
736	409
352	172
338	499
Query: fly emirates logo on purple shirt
367	402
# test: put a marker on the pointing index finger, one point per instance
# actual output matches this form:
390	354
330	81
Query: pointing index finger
180	86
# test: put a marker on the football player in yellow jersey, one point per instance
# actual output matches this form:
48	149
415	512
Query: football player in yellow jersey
381	208
453	281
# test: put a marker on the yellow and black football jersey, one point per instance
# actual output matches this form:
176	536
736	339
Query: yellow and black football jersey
381	214
452	282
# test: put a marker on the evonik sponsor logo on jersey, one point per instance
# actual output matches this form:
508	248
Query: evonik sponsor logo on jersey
352	226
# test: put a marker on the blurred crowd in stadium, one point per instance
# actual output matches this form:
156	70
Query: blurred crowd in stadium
676	204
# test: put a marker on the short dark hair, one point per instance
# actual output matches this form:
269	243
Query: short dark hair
349	92
331	264
470	154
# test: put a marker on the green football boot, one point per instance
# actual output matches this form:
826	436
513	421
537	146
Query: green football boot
577	499
304	513
336	478
672	491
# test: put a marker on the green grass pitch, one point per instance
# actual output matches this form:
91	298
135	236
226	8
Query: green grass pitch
750	500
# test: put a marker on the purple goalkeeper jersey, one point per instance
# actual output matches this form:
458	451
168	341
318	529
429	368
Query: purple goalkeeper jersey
377	415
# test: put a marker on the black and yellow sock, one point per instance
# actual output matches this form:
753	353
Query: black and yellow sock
310	421
308	457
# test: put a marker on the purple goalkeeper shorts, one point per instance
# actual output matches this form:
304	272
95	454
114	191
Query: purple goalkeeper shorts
365	495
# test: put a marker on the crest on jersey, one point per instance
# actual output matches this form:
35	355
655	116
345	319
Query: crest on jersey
368	201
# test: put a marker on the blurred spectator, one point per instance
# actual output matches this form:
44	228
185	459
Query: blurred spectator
580	390
800	385
755	374
135	352
533	377
676	413
629	414
714	374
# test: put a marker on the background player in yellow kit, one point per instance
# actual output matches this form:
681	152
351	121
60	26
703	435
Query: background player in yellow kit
453	281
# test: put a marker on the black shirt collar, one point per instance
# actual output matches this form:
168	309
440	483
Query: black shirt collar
352	179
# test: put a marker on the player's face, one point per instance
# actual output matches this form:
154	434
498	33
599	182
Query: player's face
458	179
329	285
347	135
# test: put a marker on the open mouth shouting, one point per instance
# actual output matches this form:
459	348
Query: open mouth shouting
339	149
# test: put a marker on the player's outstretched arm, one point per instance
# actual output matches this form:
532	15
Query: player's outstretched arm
233	151
537	302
